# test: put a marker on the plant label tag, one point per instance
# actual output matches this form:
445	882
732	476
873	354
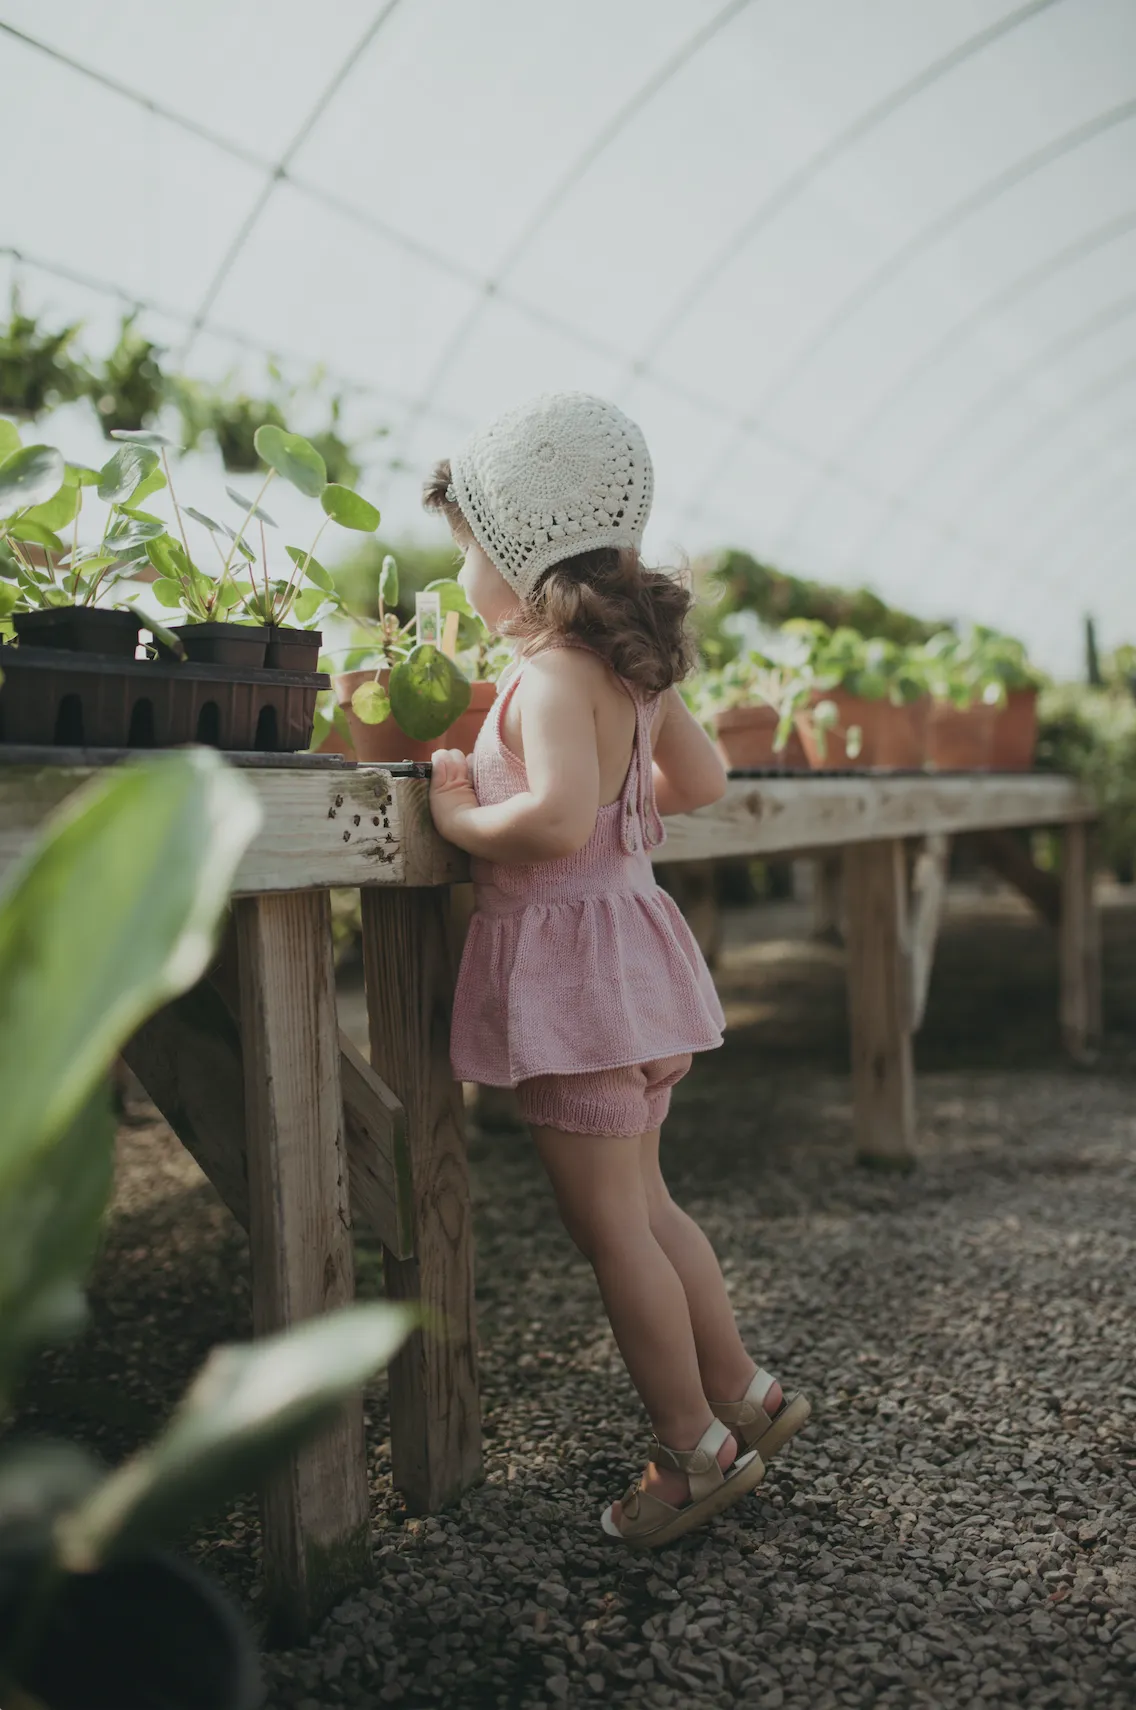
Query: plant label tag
428	611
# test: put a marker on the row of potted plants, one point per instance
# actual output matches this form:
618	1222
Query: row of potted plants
238	664
812	696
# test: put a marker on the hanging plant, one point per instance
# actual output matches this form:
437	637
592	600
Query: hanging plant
37	370
129	388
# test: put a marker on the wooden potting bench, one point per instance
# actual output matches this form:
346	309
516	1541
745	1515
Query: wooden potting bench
300	1136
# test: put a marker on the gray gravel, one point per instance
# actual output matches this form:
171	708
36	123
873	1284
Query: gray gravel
957	1527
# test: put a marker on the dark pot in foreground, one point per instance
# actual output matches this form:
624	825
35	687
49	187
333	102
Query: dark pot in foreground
80	629
240	645
138	1634
292	649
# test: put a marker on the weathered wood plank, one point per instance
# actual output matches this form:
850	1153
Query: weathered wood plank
928	899
435	1417
188	1058
359	826
828	899
363	827
780	815
879	1001
1079	933
316	1513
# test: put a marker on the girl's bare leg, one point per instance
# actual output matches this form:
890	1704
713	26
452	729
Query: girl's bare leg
724	1366
602	1196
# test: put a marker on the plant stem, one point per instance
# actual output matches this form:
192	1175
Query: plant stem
270	612
177	507
241	531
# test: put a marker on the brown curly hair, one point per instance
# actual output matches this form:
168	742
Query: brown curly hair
606	599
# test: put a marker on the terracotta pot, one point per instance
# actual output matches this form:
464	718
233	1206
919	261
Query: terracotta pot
961	739
379	742
745	741
900	735
1015	732
825	750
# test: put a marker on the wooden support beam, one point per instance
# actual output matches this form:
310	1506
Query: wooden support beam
879	1001
316	1513
1006	855
188	1058
928	899
828	899
435	1417
1079	947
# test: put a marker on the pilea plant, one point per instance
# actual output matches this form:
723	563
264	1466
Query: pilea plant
37	367
425	691
128	389
780	675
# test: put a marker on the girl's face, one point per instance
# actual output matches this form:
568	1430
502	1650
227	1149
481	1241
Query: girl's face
485	588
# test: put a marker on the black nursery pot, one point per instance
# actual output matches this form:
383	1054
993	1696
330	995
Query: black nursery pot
241	645
292	649
80	629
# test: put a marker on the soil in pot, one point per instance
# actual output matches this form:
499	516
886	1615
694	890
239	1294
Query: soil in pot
240	645
379	742
1015	732
745	741
292	649
80	629
961	739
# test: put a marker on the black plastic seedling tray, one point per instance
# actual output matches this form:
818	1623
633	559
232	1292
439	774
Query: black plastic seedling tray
51	697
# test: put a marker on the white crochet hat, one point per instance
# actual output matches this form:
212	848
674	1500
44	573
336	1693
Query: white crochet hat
560	475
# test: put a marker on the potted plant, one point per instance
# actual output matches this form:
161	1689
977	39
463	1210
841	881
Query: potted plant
879	694
128	389
1014	739
751	705
37	369
967	696
401	697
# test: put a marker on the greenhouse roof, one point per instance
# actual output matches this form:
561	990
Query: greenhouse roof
864	270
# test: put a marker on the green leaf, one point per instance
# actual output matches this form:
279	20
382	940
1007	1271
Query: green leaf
452	597
200	517
29	477
167	555
349	510
250	1408
34	533
39	1481
9	596
167	593
248	508
78	475
125	471
293	457
51	1212
153	483
242	546
9	437
136	436
388	582
308	602
370	703
57	512
157	846
312	568
427	693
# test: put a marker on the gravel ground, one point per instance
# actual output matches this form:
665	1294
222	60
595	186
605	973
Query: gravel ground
958	1524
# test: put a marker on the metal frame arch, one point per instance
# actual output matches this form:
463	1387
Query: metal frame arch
793	186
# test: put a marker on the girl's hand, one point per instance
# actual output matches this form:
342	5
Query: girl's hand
451	790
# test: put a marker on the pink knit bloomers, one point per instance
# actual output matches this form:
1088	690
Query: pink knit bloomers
631	1100
581	965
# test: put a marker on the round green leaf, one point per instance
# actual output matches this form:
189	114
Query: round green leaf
371	704
9	594
312	568
9	437
167	593
137	436
30	476
57	512
124	472
292	456
427	693
349	510
35	534
388	581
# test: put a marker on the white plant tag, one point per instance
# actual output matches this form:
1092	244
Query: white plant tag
428	611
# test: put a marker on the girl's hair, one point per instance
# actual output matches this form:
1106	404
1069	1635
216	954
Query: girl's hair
607	599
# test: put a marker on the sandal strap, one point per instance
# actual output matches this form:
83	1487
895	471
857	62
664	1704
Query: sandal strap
749	1410
700	1464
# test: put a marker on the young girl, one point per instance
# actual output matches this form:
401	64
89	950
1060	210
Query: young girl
581	985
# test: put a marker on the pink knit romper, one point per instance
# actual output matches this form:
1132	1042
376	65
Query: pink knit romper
581	964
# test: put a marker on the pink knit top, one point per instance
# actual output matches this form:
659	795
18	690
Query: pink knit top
579	963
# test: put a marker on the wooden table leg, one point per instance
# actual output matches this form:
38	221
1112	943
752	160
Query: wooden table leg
879	1001
435	1415
828	899
1080	947
316	1515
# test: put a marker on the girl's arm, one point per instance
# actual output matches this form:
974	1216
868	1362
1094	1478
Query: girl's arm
688	772
556	815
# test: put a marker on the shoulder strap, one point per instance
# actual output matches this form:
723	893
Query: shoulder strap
640	815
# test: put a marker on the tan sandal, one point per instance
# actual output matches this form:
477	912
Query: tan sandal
646	1521
753	1427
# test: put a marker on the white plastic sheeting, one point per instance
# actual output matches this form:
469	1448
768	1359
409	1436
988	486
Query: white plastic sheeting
865	270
